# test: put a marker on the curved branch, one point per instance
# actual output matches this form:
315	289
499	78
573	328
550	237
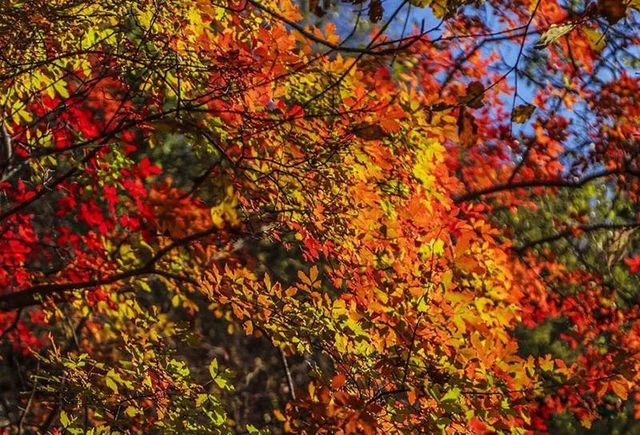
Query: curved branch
470	196
32	295
571	231
337	47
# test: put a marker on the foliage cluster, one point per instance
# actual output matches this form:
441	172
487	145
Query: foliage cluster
229	217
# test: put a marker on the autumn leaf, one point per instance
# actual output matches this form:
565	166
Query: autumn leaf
279	415
522	113
554	32
369	132
375	10
596	39
338	380
467	129
612	10
620	388
192	183
314	7
411	397
633	263
474	95
420	3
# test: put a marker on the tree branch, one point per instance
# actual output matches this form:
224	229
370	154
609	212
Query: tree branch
571	231
31	295
470	196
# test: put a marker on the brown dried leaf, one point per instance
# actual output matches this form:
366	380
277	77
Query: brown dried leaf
467	129
612	10
375	11
369	131
522	113
475	94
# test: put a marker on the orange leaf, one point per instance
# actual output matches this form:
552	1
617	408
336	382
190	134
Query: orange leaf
313	273
411	397
620	389
338	380
278	415
304	278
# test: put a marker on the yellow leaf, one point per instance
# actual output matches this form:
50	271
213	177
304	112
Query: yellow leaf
546	363
64	419
446	279
25	114
61	89
554	32
111	384
304	278
278	415
131	411
595	39
586	422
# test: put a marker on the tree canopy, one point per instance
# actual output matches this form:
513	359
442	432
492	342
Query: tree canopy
264	216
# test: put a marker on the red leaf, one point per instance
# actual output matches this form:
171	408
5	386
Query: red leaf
633	263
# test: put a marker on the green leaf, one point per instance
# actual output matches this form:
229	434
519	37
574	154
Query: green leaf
222	382
422	306
111	379
213	369
61	88
452	394
131	411
111	384
64	419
